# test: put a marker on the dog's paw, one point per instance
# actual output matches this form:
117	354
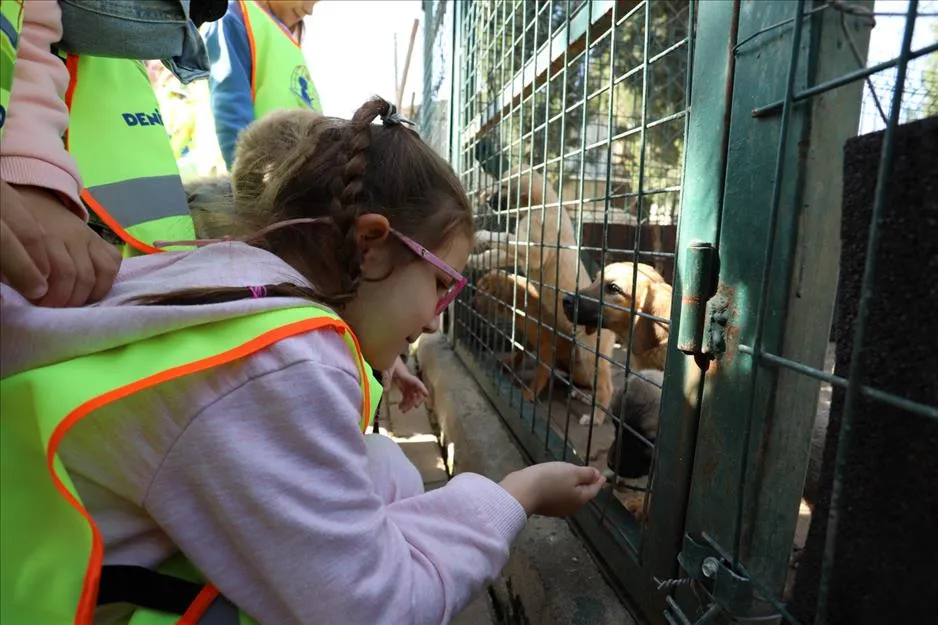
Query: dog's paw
483	196
598	418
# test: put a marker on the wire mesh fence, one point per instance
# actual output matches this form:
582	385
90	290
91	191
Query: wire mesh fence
433	114
568	126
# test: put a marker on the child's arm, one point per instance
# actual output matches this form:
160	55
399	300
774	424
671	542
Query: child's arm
268	492
33	152
79	266
230	80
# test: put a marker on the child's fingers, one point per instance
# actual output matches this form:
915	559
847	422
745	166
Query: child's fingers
23	226
587	475
18	266
62	277
107	261
589	491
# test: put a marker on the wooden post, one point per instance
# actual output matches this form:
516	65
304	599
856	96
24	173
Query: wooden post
410	49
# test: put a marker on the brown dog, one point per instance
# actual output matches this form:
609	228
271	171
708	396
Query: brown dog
652	296
545	245
496	292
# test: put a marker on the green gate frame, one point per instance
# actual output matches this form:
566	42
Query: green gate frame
753	421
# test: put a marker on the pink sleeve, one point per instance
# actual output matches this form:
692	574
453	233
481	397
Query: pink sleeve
269	493
33	152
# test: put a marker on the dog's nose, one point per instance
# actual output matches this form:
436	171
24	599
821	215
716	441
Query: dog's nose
568	305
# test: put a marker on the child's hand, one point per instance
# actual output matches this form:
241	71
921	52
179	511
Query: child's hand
24	263
553	488
413	391
80	265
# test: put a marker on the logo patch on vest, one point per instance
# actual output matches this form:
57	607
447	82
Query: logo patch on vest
301	84
143	119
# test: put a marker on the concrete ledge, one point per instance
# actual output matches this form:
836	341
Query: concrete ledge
550	578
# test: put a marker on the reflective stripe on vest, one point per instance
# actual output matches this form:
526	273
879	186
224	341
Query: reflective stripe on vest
11	23
116	135
50	548
279	76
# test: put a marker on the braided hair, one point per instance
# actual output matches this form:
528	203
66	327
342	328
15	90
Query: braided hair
297	164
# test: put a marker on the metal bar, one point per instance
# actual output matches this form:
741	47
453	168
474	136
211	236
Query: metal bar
608	190
677	431
856	372
766	271
563	134
542	207
785	22
924	410
579	228
840	81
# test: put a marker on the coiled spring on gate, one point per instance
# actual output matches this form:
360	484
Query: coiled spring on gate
668	584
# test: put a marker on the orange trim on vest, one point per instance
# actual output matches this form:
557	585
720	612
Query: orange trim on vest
114	225
363	373
71	62
89	592
200	606
252	45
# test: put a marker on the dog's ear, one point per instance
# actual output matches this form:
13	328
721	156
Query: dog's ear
661	298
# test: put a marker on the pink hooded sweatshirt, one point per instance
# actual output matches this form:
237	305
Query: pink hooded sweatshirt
32	152
257	470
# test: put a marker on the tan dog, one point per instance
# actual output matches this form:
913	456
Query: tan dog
545	245
496	292
652	296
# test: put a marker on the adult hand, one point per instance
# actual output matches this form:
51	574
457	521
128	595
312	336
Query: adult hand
554	488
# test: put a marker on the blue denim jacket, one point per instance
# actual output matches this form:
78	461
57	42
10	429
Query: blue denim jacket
136	29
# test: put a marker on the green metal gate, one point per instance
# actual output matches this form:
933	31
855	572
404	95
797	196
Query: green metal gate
593	98
760	239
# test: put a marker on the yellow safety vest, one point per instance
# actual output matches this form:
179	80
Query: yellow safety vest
279	76
50	548
116	135
11	23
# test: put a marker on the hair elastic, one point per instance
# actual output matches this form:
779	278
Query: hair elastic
258	291
392	118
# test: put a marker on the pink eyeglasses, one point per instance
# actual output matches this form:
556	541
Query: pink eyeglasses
459	280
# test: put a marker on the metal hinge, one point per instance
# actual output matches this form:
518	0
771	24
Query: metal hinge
701	326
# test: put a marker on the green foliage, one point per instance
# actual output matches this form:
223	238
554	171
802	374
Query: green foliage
930	79
501	40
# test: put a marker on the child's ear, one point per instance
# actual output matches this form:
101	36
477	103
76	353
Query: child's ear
371	229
